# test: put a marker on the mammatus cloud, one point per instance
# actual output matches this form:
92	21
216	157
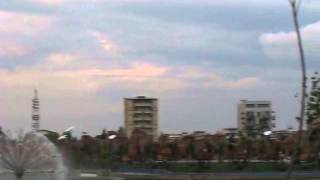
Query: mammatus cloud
283	45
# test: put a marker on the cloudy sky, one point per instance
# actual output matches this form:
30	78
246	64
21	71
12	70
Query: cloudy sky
199	57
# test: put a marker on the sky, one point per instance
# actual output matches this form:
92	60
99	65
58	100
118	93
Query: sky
199	57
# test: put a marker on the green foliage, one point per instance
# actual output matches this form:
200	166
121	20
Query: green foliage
313	117
52	136
313	106
121	131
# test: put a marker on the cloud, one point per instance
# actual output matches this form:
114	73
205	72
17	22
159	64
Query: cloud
48	2
76	82
216	2
105	42
59	78
207	79
80	93
60	59
246	82
22	23
10	48
62	2
283	45
171	49
310	3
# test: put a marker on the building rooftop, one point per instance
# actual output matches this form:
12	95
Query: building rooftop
255	101
141	97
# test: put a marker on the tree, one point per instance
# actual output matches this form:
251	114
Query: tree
191	147
246	145
231	141
295	5
121	131
313	105
314	135
313	116
103	134
68	135
52	136
219	146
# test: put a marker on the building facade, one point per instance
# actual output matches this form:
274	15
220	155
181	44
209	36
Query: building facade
231	133
255	117
141	113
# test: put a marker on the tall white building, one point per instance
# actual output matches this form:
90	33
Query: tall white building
141	113
35	112
255	117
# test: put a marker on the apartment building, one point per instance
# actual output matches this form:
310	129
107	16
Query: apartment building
255	117
141	113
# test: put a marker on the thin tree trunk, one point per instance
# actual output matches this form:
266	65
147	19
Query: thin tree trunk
296	155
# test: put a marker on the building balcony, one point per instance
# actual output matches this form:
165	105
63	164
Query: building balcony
143	104
142	112
140	108
143	126
143	121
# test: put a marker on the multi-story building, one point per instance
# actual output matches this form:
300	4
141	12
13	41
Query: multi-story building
231	133
141	113
283	134
175	137
255	117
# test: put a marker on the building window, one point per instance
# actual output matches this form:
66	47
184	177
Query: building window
263	105
250	105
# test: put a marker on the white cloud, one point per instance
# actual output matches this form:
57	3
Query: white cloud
207	79
59	79
311	4
22	23
246	82
106	43
55	3
10	48
77	82
60	59
218	2
49	2
283	45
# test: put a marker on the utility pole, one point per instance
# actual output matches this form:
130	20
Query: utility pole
295	5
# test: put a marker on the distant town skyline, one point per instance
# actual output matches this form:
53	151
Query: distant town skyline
199	57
